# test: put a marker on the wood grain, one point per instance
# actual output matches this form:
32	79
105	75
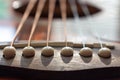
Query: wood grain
60	63
64	66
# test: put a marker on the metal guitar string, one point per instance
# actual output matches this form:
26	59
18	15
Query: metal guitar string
87	13
37	16
50	17
63	13
9	52
76	16
25	16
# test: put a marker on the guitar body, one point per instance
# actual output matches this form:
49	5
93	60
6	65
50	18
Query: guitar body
75	67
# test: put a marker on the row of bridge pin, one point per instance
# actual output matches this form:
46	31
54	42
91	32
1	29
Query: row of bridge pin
9	52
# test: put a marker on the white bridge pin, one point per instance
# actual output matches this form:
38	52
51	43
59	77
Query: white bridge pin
67	51
104	52
28	52
47	51
9	52
86	52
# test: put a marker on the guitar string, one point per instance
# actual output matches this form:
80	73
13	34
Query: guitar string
63	11
76	16
25	16
50	17
64	16
87	13
37	16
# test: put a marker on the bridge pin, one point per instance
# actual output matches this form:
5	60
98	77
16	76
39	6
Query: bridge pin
67	51
28	52
86	52
47	51
104	52
9	52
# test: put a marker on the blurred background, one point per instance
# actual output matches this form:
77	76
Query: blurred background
6	26
105	23
9	20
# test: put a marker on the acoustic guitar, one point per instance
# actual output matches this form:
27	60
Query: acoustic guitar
76	24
